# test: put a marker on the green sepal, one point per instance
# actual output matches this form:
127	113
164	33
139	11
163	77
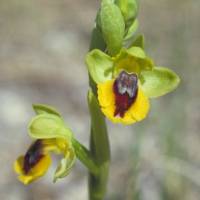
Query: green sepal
133	60
129	9
100	66
138	42
158	82
42	108
65	165
112	26
46	126
131	30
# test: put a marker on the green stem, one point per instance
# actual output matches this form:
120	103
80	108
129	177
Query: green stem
85	157
99	142
99	145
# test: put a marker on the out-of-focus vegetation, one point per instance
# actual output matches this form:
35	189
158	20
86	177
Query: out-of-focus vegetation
43	44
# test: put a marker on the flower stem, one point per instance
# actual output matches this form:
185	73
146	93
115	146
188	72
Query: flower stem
85	157
99	146
99	142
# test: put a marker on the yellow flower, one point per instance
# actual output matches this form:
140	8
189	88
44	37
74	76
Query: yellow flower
119	90
122	100
37	160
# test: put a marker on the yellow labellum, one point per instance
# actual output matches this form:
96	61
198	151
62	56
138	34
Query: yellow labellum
137	111
37	160
35	172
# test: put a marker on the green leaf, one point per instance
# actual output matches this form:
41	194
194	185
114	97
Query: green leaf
42	108
112	26
138	42
65	165
45	126
158	82
99	66
132	29
129	9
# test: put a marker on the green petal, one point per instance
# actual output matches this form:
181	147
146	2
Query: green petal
159	81
45	126
132	29
133	60
112	26
42	108
65	166
99	66
136	52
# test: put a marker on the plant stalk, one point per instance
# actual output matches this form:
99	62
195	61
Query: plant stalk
99	146
99	142
85	157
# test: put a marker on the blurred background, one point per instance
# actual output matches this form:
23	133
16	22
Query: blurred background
42	48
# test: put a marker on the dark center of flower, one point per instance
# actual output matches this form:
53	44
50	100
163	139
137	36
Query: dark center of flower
125	89
33	156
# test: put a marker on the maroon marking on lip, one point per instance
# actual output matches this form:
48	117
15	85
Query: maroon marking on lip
125	89
32	156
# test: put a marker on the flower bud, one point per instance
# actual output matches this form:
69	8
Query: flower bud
112	26
129	9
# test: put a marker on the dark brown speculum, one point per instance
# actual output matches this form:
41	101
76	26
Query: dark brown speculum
33	156
125	89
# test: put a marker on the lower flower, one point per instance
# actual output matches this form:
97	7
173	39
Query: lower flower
122	100
37	160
